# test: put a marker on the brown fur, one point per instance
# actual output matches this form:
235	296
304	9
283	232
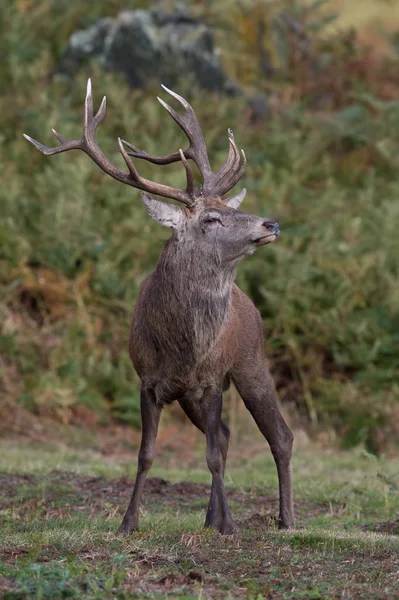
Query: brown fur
193	329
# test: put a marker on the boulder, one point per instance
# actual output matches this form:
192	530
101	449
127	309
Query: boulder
151	45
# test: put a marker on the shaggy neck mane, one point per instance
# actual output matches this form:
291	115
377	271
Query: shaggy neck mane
192	297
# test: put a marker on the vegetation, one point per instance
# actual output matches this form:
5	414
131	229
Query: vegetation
60	511
75	245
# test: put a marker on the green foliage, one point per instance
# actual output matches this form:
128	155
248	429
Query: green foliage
75	245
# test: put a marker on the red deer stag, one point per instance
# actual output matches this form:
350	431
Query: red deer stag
193	329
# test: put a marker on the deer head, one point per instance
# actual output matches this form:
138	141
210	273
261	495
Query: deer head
214	225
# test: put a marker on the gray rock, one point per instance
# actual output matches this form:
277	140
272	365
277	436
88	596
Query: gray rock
151	46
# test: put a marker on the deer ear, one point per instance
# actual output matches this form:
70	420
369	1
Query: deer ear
162	212
236	200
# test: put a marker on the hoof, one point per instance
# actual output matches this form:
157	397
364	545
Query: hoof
286	525
226	528
127	528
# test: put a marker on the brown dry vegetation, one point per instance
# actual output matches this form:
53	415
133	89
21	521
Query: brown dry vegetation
75	246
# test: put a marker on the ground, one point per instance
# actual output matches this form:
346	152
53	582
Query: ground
60	508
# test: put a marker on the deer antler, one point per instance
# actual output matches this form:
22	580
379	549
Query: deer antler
215	183
88	144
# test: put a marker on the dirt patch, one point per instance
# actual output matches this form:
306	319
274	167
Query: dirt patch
63	495
98	489
48	552
258	521
10	555
6	585
10	484
388	527
178	578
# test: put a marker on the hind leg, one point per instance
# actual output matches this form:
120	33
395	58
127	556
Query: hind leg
194	413
255	387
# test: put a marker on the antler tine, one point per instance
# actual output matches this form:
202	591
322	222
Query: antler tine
235	176
47	150
189	173
156	160
88	105
89	145
233	159
230	158
129	163
57	135
237	157
189	124
100	116
182	121
229	173
217	183
180	99
231	165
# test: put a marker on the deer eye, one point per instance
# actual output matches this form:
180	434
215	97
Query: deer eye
212	219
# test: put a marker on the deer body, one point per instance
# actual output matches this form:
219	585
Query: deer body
193	329
185	330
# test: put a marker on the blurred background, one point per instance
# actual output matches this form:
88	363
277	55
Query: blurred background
310	90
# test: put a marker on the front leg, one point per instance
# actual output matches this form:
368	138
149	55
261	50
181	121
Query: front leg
196	415
218	514
150	414
213	514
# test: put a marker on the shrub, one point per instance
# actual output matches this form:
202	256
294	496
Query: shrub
75	245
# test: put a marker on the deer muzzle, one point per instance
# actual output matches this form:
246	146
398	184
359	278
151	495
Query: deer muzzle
271	231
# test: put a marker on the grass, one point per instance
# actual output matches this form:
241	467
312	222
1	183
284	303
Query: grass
60	510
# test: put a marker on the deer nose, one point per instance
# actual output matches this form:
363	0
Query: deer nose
272	226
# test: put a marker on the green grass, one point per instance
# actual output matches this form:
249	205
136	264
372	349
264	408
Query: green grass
60	511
